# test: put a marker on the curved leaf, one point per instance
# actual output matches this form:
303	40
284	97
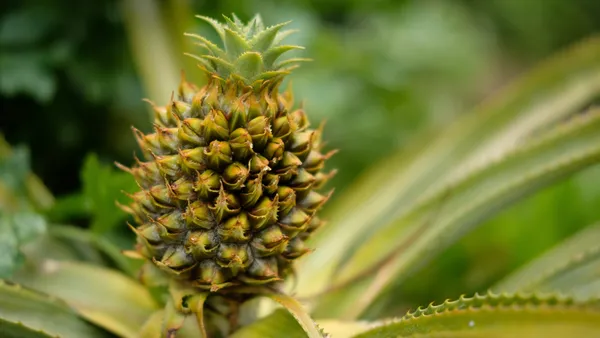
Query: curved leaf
298	312
439	219
27	313
556	89
105	297
523	316
571	267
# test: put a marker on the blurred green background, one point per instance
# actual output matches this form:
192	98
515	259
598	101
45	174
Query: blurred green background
72	76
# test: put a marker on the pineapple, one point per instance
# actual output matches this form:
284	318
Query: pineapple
229	184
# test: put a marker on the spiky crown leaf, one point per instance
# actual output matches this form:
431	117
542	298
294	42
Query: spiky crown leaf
250	52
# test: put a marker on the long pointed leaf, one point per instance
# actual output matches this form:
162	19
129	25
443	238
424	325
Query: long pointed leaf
439	220
298	312
497	316
104	297
571	267
31	314
556	89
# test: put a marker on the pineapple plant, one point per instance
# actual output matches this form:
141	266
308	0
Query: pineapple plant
229	190
230	178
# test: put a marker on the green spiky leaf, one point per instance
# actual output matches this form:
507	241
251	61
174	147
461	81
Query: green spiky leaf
273	54
211	47
235	44
262	41
215	24
250	50
249	65
524	316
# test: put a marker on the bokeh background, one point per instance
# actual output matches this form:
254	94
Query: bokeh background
73	73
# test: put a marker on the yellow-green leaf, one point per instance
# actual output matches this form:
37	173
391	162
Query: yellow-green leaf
281	323
278	324
10	329
439	219
497	316
297	310
571	267
27	313
104	297
551	92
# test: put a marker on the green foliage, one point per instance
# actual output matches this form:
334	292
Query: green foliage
416	198
273	326
14	169
103	186
16	230
571	267
250	50
36	40
26	313
102	296
524	316
449	214
382	73
19	222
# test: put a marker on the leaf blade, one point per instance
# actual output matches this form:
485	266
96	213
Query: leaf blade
439	219
564	262
389	189
104	297
40	312
497	316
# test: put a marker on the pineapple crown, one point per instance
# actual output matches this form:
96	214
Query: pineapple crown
251	53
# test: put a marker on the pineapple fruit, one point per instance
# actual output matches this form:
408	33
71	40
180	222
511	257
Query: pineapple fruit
230	177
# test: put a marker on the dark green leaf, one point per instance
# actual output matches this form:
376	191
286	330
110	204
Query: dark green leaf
102	186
